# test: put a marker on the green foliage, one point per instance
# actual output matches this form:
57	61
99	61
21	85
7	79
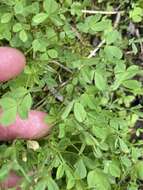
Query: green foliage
18	100
89	101
100	81
79	112
97	179
136	14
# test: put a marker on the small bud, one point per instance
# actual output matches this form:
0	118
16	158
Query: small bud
34	145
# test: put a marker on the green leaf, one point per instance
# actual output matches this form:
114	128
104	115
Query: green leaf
70	177
126	161
132	71
62	129
89	139
114	169
67	110
57	21
39	45
91	20
132	84
32	8
52	53
70	183
6	18
120	68
123	75
88	100
79	112
134	48
19	8
90	163
50	6
41	185
4	171
139	170
112	37
18	92
51	184
17	27
60	171
113	52
39	18
101	26
86	75
25	106
100	132
8	116
97	179
80	171
123	146
7	103
136	14
23	36
9	107
76	8
100	81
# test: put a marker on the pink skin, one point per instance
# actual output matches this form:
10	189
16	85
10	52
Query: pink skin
12	63
32	128
11	181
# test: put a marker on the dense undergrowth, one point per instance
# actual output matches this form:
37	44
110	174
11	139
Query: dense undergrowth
85	71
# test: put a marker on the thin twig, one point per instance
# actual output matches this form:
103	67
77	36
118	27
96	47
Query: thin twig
60	79
77	34
56	94
101	12
138	36
62	66
129	52
117	20
65	83
93	53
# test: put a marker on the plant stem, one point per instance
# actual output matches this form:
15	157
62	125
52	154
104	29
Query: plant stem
101	12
